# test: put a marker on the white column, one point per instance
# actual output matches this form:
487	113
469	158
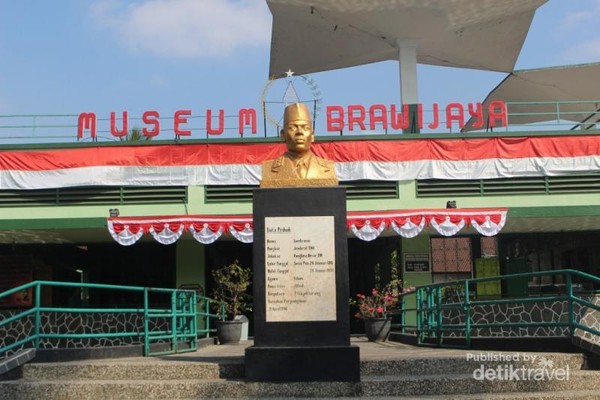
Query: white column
407	56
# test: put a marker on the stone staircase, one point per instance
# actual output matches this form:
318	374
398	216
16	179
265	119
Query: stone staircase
392	371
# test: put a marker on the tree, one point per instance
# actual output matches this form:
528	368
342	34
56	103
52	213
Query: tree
134	135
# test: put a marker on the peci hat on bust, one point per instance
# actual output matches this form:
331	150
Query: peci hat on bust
296	112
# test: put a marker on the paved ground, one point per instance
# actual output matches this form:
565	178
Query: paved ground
368	351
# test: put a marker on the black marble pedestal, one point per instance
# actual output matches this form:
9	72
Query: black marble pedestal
300	348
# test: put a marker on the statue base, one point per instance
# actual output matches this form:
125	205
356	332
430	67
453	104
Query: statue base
303	364
301	288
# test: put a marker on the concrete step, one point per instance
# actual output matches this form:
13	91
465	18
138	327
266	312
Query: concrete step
459	386
550	395
172	389
469	362
390	370
146	369
166	369
560	395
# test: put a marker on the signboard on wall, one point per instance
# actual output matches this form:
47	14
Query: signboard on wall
417	262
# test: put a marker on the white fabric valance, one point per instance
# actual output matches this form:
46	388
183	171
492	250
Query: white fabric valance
365	226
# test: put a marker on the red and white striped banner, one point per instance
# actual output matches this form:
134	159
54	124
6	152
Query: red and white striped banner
366	226
240	163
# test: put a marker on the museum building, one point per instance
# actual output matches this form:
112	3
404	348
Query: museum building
513	196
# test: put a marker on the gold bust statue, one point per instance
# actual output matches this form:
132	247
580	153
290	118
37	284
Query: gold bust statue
298	166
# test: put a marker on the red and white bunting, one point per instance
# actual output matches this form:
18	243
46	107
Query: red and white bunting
405	227
240	163
124	234
365	226
242	231
168	229
206	233
167	233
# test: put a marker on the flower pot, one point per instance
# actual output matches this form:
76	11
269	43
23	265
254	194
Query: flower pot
229	332
377	329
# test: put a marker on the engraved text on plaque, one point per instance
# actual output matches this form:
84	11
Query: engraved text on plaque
300	269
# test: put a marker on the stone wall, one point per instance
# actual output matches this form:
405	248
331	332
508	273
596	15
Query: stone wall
591	318
60	323
542	312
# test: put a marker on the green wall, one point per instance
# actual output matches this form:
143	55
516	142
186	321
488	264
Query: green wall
190	268
93	216
418	244
408	200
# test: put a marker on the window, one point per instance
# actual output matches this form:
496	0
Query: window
451	255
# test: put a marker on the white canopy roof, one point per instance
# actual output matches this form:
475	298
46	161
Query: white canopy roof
322	35
570	93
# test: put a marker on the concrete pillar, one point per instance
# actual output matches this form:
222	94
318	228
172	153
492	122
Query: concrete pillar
407	57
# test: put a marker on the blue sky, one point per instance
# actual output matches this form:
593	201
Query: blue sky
71	56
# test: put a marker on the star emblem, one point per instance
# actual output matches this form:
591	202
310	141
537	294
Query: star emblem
289	73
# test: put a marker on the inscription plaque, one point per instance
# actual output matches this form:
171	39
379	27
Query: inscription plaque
300	269
416	262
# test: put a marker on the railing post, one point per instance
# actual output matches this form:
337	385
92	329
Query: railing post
207	312
194	319
38	316
402	316
467	314
146	323
570	300
439	315
431	311
174	321
419	313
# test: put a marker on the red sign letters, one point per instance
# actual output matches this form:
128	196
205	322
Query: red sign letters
352	117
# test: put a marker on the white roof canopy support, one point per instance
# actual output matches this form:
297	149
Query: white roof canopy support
323	35
407	56
564	93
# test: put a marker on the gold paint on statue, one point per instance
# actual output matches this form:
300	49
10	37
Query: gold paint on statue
298	166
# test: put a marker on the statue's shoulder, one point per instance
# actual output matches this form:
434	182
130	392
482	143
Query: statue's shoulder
274	164
327	164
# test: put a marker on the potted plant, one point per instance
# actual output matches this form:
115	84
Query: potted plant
374	309
231	286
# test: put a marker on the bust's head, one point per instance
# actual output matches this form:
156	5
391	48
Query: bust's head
297	129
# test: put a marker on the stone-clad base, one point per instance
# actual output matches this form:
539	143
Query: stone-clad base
302	364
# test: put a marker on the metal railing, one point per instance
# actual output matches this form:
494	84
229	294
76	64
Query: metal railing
167	316
428	308
552	116
555	116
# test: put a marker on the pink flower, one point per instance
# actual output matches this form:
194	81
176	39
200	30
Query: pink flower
379	302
